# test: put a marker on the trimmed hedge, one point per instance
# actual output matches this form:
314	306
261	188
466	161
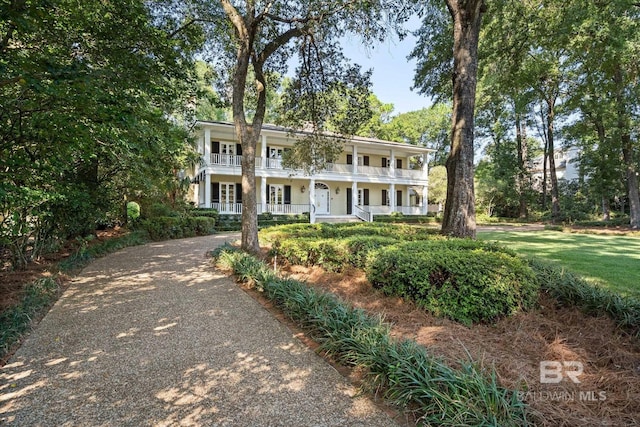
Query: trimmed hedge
463	280
402	371
164	228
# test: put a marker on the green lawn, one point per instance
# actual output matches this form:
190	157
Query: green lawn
613	261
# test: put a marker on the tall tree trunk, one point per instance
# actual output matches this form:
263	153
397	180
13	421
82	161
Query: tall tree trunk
545	159
459	213
628	151
522	167
555	199
606	208
248	139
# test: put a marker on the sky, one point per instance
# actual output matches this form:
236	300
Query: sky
392	72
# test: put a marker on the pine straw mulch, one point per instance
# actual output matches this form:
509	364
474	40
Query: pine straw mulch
609	388
12	282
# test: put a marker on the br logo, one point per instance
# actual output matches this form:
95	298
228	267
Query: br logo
553	372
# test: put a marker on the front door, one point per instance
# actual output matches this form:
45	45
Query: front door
322	199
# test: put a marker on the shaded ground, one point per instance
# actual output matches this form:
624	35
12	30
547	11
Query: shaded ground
609	388
151	335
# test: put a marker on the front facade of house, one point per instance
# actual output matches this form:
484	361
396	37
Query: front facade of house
369	177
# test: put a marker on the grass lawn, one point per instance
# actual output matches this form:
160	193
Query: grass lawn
613	261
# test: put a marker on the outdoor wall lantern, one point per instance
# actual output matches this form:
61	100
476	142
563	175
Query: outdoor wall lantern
302	189
337	190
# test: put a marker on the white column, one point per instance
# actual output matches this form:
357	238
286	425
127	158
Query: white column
425	200
425	166
355	159
263	193
312	201
207	189
407	197
207	147
392	166
354	197
392	197
263	152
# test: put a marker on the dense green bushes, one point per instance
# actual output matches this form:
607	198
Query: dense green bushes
571	290
465	280
168	227
460	280
16	320
403	371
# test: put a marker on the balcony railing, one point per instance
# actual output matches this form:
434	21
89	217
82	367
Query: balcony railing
234	161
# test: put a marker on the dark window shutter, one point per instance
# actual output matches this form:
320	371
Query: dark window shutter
239	149
268	152
398	197
215	192
349	200
365	194
266	194
287	194
384	197
215	147
349	159
384	162
238	193
398	163
365	160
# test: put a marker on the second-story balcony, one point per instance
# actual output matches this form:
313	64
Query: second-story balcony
235	161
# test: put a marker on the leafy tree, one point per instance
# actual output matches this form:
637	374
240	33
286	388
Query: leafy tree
86	89
249	35
438	184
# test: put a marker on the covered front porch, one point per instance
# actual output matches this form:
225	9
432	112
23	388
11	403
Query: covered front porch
314	197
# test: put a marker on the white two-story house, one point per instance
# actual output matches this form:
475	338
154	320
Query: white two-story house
370	176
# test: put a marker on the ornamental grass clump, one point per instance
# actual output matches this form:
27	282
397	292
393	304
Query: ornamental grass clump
572	290
402	371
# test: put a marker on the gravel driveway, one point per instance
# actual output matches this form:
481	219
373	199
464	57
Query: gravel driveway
152	335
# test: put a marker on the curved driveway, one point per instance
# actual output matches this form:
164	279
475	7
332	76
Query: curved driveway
152	335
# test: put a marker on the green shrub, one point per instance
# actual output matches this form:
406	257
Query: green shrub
573	291
402	371
133	211
332	255
163	228
200	212
359	247
16	320
464	280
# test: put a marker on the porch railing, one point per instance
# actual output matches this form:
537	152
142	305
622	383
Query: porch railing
363	214
227	208
287	209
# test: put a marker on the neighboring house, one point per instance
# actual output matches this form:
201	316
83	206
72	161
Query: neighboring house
566	166
370	176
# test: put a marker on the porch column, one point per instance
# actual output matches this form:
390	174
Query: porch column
407	197
263	153
392	197
263	193
207	148
354	197
425	201
392	166
207	189
312	201
355	159
425	166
